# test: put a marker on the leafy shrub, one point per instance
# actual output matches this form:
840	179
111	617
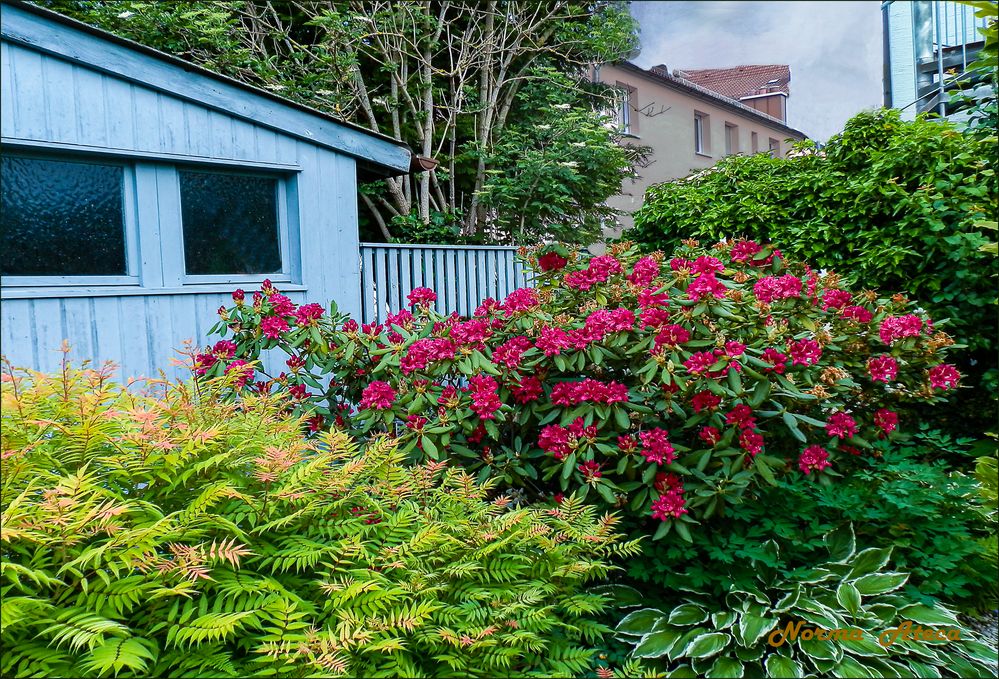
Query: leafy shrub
178	535
669	389
902	495
751	629
888	203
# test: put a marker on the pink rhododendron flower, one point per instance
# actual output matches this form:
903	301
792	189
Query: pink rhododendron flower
273	326
403	319
667	481
710	435
295	363
551	261
813	457
741	416
422	297
350	326
751	441
309	314
804	352
238	296
672	335
734	349
472	333
706	285
627	444
378	396
488	307
650	297
882	368
653	317
598	270
416	422
485	402
298	392
656	446
841	425
886	420
944	376
551	341
588	390
835	299
699	362
745	250
776	359
508	354
422	352
857	313
669	504
706	264
244	372
644	272
894	328
224	349
520	300
680	264
281	305
705	400
203	363
771	288
527	390
590	470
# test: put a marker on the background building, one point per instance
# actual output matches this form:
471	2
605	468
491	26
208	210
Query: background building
689	126
926	43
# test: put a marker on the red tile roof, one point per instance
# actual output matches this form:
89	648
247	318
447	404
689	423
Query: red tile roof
739	81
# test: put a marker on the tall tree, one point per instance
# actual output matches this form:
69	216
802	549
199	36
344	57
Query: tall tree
449	78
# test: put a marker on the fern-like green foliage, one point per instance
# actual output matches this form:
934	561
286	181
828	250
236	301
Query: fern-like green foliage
167	532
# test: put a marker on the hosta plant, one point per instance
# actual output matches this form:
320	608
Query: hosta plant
843	618
172	534
667	386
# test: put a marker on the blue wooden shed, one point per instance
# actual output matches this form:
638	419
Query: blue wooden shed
139	190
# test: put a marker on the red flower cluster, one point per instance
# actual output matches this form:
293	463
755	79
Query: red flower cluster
700	362
813	457
309	314
669	504
403	319
551	261
485	402
775	359
705	400
710	435
771	288
841	425
887	420
473	333
378	396
835	299
588	390
804	352
598	271
508	354
243	370
644	272
882	368
604	321
898	327
422	297
744	251
944	376
281	305
751	441
857	313
521	299
551	341
273	327
706	285
656	446
741	416
590	470
529	389
560	441
651	297
423	351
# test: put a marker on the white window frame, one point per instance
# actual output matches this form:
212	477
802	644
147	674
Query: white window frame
624	110
130	231
154	245
731	139
284	239
773	146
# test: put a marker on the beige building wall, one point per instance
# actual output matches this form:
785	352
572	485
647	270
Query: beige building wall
662	116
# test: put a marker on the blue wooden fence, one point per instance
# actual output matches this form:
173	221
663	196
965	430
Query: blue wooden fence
462	276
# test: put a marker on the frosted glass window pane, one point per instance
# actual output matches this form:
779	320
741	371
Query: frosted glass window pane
230	223
61	218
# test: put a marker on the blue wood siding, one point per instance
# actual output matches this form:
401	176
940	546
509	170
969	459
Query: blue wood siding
54	102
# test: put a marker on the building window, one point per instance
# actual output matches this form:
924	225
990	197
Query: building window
774	148
755	142
624	105
731	139
230	223
702	141
62	217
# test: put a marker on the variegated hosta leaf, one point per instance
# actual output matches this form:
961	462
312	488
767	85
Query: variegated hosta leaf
723	620
657	644
707	645
639	623
752	628
781	667
848	597
927	615
869	561
841	543
687	614
879	583
850	668
726	668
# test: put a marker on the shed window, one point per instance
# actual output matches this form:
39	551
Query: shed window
62	218
702	142
230	223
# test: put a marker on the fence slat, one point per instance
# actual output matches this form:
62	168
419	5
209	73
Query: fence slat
461	276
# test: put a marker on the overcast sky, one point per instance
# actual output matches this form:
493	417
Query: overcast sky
834	49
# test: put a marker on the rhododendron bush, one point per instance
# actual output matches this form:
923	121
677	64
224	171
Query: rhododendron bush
664	385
